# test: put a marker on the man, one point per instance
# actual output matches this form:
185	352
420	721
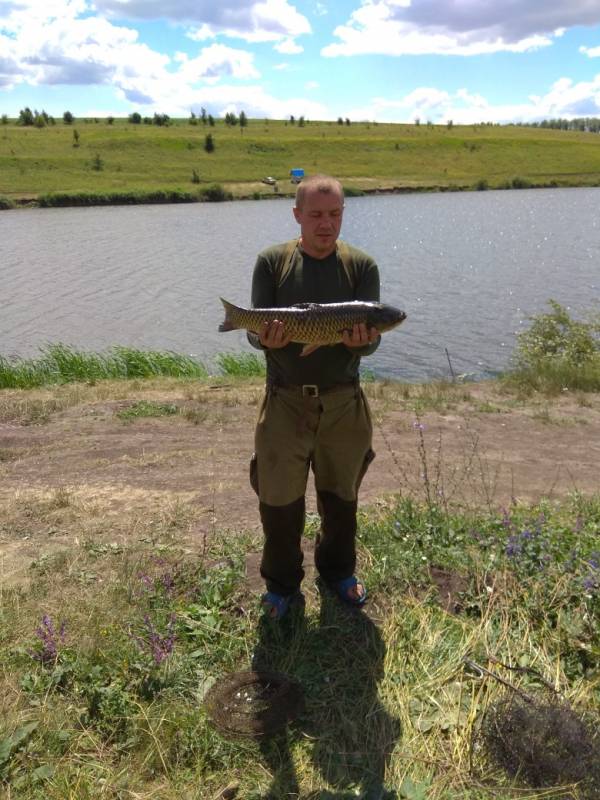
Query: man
314	413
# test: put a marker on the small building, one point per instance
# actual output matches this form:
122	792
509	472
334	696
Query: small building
296	175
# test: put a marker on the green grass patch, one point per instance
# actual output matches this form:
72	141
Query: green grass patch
60	363
241	364
144	408
107	658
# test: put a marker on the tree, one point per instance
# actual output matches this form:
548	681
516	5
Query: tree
5	119
209	144
26	116
211	121
75	137
161	119
450	124
203	115
301	122
292	119
340	121
347	121
68	118
110	120
135	118
243	119
193	120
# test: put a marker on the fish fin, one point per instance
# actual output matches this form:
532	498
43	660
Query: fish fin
309	348
227	324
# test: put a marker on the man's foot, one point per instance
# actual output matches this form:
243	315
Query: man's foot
275	606
350	590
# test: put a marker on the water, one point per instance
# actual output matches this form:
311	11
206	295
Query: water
468	268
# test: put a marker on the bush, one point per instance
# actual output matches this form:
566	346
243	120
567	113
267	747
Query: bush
558	352
6	203
215	193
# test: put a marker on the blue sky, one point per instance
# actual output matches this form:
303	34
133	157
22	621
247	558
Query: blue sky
384	60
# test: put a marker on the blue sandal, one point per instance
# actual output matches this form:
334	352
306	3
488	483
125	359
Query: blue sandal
343	590
276	606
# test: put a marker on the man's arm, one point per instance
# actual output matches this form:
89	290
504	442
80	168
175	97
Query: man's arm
263	296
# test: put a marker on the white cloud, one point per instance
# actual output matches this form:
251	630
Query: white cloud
310	85
251	20
447	27
564	99
218	61
59	46
289	47
591	52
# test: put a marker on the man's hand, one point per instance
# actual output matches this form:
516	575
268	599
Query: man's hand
273	336
359	336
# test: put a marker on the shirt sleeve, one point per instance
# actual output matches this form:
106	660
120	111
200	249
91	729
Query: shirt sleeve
367	289
262	294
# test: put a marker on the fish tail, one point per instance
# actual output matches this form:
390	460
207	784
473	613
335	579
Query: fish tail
228	323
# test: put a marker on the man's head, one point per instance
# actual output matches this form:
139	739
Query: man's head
319	209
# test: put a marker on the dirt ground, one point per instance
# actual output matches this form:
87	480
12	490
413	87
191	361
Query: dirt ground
72	469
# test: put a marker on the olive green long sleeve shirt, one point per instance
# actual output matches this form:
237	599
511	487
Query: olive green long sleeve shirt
313	280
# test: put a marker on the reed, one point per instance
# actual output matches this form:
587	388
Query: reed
60	363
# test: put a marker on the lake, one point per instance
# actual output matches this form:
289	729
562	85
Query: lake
468	268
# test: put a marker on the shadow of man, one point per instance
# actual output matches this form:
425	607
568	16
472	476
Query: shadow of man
339	662
277	650
355	735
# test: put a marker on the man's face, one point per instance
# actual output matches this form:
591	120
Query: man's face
320	220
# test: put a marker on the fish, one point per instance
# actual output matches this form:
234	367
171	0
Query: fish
314	324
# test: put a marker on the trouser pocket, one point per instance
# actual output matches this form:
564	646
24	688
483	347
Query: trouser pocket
370	455
254	472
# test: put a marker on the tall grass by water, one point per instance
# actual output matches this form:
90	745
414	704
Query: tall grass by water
59	363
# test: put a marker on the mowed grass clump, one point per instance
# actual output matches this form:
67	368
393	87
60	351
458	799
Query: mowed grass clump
60	363
107	658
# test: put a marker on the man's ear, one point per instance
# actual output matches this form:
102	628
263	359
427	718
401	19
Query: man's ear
297	213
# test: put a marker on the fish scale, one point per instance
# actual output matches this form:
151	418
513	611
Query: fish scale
314	323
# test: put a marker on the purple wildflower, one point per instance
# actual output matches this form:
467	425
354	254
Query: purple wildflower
513	546
49	641
157	645
418	426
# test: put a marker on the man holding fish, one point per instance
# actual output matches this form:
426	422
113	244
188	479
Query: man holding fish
324	294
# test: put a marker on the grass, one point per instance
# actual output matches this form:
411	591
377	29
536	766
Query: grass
60	363
107	657
141	162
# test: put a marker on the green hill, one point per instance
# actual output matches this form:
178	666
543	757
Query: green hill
98	157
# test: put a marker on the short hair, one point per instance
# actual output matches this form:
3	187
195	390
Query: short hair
320	183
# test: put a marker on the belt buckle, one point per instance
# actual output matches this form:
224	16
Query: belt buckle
310	390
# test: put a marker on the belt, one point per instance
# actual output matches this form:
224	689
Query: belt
311	389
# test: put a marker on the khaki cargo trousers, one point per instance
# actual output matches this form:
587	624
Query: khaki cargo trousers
332	433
